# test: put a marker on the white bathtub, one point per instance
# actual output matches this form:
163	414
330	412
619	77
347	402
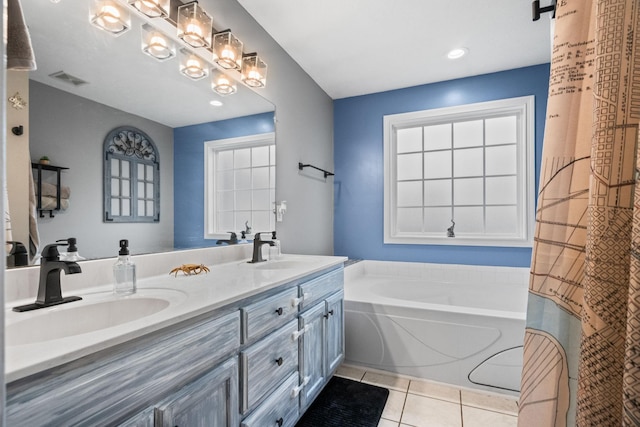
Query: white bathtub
461	325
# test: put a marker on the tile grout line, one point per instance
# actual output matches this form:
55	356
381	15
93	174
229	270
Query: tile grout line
407	392
461	413
495	411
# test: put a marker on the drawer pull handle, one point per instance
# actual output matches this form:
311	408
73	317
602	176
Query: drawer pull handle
279	422
279	361
279	311
329	313
297	334
296	390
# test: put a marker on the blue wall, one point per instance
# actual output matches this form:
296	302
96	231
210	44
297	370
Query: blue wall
188	177
358	156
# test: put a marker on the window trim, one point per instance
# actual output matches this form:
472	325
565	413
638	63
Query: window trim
210	149
526	169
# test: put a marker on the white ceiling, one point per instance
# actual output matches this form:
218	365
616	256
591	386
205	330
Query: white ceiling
349	47
117	72
356	47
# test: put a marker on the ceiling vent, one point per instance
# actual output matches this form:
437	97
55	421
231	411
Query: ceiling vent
68	78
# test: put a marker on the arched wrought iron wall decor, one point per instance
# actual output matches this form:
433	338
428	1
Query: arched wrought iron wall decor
131	177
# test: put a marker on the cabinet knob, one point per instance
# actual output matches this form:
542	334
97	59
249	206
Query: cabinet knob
279	361
329	313
279	422
279	311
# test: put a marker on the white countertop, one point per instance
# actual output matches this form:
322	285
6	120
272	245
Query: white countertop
188	296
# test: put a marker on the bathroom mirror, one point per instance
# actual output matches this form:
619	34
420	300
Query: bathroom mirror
89	82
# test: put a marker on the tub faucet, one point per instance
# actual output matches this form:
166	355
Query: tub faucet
49	291
232	240
450	232
257	247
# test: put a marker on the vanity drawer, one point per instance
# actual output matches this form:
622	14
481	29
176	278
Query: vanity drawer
267	363
319	288
280	409
268	314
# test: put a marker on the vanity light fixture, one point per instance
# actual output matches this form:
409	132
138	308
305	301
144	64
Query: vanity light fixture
254	70
222	84
227	50
457	53
110	17
192	66
155	44
152	8
194	25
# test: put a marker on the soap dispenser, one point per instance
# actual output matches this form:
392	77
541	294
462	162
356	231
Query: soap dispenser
124	271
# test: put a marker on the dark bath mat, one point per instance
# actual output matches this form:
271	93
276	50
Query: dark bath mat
346	403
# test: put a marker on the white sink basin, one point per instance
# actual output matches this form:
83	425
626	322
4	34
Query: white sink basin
279	265
94	313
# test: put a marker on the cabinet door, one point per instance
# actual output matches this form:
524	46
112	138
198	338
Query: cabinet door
335	332
312	353
211	401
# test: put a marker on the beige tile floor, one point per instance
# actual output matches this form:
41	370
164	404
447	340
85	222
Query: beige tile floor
418	403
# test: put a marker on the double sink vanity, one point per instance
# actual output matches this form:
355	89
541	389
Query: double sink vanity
246	345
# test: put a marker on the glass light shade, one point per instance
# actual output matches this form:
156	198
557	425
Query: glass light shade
227	50
222	84
192	66
110	17
194	25
156	44
254	71
152	8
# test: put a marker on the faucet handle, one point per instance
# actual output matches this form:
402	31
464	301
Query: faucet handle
50	252
257	235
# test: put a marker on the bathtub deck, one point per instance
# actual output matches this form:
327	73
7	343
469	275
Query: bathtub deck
415	402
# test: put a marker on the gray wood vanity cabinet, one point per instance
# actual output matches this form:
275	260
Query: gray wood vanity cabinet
243	365
316	337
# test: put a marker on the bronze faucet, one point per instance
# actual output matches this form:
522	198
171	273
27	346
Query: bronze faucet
49	290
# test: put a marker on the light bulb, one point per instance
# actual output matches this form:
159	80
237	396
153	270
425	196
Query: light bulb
158	47
151	8
193	34
228	54
110	18
193	68
110	14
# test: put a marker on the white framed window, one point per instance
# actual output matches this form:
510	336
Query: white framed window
471	164
240	183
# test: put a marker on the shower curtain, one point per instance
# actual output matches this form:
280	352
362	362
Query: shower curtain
582	341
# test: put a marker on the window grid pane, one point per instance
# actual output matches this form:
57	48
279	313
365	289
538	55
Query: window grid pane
461	168
244	190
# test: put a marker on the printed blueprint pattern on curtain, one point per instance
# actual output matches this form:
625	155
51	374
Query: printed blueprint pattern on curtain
574	349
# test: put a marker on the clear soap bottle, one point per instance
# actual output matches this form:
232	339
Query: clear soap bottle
124	271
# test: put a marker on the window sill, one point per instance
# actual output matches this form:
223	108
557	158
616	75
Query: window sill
458	241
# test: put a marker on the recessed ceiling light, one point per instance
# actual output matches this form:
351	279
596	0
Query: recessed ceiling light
216	103
457	53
